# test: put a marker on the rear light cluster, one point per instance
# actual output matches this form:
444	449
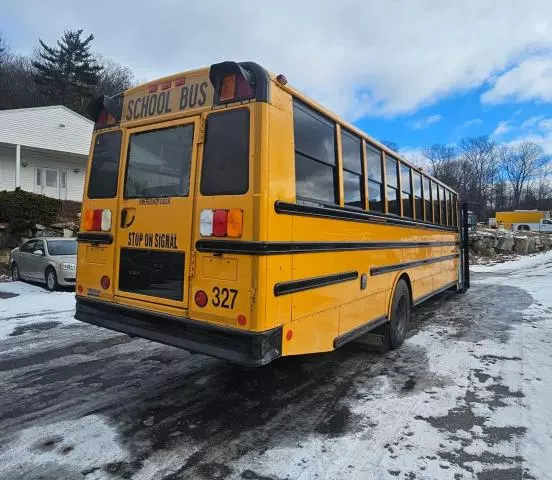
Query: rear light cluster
97	220
221	223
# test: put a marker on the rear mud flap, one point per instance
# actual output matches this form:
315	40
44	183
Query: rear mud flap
377	340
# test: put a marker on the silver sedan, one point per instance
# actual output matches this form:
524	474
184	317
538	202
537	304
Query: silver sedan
52	261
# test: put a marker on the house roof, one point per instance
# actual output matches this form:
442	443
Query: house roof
53	128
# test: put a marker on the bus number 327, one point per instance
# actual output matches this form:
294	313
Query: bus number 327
224	297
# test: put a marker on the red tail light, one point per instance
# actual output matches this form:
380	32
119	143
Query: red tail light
220	220
105	282
200	298
97	220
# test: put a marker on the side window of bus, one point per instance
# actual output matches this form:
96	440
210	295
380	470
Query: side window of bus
315	156
104	170
225	166
427	200
392	180
455	210
418	202
442	201
375	179
353	183
449	208
435	200
406	188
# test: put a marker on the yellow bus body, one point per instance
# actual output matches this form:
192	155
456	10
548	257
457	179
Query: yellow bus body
307	278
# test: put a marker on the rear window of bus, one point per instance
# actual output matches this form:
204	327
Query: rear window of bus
104	170
225	167
159	163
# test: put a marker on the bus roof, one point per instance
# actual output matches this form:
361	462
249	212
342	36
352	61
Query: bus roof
307	100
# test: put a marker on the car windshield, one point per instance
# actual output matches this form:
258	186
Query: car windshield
62	247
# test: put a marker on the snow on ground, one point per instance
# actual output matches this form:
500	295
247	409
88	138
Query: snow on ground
520	262
466	396
30	302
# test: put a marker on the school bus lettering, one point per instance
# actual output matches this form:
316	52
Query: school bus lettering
145	105
226	243
149	240
189	95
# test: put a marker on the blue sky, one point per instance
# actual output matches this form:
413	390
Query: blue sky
457	116
413	72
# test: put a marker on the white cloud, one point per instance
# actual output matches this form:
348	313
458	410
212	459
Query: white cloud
502	128
473	121
530	80
416	157
425	122
357	57
531	121
536	129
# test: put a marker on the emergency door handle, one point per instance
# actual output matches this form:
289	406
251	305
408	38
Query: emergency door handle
127	217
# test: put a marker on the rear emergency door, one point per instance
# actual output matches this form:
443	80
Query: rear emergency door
156	212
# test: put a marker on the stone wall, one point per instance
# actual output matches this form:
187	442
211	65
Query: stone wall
488	242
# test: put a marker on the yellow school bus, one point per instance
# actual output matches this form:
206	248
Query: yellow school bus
226	213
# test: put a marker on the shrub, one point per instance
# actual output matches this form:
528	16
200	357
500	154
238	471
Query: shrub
70	209
22	210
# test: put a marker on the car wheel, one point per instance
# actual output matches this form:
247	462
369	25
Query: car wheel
51	279
400	315
15	272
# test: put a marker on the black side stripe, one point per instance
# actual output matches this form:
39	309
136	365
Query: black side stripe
416	263
106	238
279	248
341	213
286	288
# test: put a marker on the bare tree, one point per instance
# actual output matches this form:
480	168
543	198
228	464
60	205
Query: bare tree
4	50
520	164
391	144
481	166
443	161
113	78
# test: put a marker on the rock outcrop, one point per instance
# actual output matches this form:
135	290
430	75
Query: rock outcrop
488	242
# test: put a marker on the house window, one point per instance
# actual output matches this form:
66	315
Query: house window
62	179
39	177
51	178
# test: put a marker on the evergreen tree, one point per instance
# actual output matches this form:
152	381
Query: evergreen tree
67	74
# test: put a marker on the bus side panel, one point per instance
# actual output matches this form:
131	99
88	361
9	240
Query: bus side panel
281	172
315	333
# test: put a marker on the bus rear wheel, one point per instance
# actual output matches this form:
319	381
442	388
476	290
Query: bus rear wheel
400	315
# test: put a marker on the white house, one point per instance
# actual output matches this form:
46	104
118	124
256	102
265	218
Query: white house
44	150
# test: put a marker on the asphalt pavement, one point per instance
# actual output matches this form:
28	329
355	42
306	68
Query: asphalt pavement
464	397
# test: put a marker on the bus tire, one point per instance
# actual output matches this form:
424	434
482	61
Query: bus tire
399	318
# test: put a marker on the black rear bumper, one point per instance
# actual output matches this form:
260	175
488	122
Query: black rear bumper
237	346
